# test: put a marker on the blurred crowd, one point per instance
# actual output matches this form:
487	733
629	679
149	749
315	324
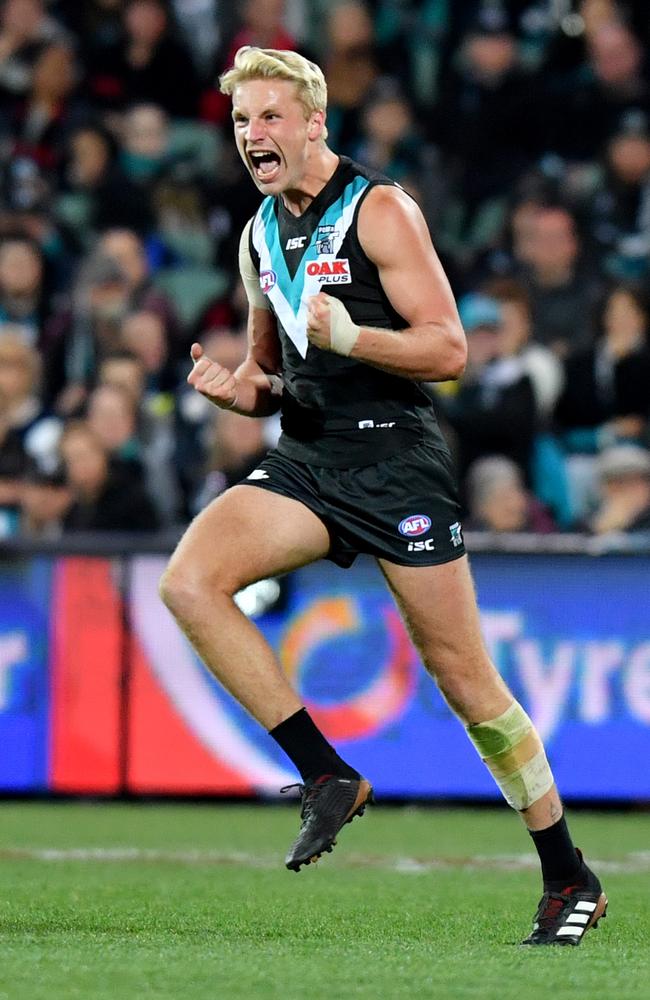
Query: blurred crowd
521	127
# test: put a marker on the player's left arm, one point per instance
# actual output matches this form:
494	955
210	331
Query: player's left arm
432	348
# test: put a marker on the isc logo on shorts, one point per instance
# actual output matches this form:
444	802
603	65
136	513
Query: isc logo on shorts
330	272
267	280
414	524
422	546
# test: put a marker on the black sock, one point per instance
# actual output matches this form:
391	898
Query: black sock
561	863
304	743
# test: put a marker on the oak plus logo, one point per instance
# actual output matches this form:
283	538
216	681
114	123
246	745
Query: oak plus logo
330	272
414	524
267	281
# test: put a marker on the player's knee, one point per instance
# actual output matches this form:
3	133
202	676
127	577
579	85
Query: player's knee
184	587
175	589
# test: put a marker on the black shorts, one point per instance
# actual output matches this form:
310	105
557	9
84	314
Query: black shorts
404	509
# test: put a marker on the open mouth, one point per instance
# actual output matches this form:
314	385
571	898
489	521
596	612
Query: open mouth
266	164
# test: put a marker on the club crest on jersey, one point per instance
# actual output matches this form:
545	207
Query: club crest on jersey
330	272
325	238
267	281
414	524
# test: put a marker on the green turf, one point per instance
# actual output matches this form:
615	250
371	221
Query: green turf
183	924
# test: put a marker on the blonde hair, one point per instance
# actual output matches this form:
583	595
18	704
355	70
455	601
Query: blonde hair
252	63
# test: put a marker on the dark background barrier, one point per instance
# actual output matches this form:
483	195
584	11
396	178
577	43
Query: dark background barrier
101	694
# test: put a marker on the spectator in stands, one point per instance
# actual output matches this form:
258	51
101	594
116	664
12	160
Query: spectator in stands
182	221
97	24
14	460
26	211
23	300
605	398
485	116
79	335
21	410
606	394
235	449
523	229
585	106
14	463
44	500
515	341
412	38
351	67
620	208
41	122
195	414
499	501
624	479
144	155
494	410
201	25
126	250
562	290
388	142
232	201
106	497
124	369
148	63
25	29
262	24
96	193
138	430
144	335
112	413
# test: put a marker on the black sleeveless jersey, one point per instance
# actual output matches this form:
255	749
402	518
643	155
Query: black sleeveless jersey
336	411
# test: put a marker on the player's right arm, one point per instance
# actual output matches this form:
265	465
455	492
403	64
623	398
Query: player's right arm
255	389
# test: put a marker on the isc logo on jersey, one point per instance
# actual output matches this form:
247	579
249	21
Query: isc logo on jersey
330	272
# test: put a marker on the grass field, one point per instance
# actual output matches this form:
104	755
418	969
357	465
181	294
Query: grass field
182	901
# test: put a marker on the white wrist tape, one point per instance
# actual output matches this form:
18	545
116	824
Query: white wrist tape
231	405
249	276
511	749
343	332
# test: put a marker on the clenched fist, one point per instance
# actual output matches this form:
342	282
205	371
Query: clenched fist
329	325
318	321
212	380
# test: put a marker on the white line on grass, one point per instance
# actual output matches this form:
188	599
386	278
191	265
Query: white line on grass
633	863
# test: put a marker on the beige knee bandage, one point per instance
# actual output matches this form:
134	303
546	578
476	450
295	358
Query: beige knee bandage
512	750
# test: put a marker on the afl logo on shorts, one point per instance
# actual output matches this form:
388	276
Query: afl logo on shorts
267	281
415	524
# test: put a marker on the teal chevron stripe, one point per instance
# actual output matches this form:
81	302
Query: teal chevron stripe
272	237
292	289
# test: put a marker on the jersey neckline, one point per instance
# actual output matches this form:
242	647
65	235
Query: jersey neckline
317	199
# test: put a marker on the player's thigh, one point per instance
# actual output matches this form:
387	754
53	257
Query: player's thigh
438	604
247	534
